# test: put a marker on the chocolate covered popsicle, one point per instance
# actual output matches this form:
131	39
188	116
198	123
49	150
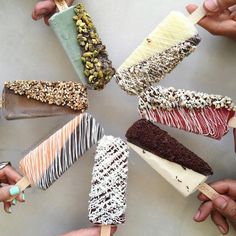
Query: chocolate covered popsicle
43	165
30	99
182	168
107	203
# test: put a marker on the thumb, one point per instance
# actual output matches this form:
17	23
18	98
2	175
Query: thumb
9	191
218	5
226	206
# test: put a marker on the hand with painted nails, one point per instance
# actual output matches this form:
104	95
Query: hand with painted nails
221	17
93	231
45	9
8	178
222	208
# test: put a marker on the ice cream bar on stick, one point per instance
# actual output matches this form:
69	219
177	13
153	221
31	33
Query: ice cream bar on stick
107	203
47	162
82	44
30	99
206	114
171	41
174	162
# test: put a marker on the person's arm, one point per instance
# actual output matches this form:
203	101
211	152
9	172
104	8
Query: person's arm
222	208
8	178
93	231
221	17
45	9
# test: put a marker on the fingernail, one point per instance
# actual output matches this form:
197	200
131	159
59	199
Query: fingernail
211	5
221	229
14	201
14	190
197	215
9	210
23	196
220	202
39	17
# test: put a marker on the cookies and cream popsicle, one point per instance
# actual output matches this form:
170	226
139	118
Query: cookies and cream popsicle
182	168
107	202
30	99
82	44
201	113
46	163
170	42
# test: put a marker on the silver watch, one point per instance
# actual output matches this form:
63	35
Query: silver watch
3	164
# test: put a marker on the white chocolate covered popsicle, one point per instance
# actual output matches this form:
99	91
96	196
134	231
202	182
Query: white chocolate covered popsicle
183	169
171	41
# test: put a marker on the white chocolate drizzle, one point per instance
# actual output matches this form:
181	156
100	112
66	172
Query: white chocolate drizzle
107	203
46	163
191	111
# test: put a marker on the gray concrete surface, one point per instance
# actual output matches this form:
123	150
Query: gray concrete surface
29	50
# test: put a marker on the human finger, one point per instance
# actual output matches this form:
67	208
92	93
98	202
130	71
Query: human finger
11	174
210	23
69	2
20	197
225	187
7	192
43	8
220	221
227	207
46	19
203	211
218	5
7	207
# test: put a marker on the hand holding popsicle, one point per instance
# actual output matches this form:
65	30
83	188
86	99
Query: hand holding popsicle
221	208
46	9
220	19
47	162
9	177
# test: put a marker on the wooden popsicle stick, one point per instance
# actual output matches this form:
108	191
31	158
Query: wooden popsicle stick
61	5
232	122
197	15
207	190
105	230
23	183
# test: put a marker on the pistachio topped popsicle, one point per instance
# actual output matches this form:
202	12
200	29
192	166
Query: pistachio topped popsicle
79	38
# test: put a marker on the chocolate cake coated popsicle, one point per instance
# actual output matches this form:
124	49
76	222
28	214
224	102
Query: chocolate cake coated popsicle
206	114
46	163
182	168
82	44
107	203
170	42
31	99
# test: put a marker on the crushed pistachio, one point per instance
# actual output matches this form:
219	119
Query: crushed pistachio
97	67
